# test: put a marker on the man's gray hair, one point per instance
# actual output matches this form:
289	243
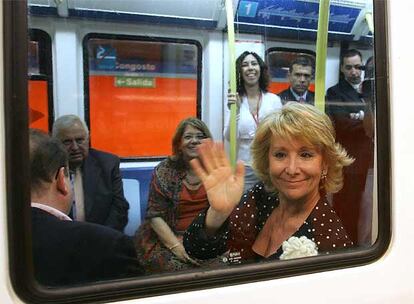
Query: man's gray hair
67	121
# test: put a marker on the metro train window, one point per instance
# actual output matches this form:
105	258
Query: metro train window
279	60
40	80
142	88
141	77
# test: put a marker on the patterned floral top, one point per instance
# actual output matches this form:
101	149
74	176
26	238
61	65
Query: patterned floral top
239	232
163	201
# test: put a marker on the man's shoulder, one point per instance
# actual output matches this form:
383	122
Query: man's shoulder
101	155
104	160
335	92
334	88
99	233
73	229
285	93
40	216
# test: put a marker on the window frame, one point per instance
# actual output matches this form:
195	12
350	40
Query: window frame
18	193
143	39
45	61
290	50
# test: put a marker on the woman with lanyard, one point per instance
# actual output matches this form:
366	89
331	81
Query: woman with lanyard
254	103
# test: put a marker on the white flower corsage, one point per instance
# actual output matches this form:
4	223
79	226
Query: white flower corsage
296	247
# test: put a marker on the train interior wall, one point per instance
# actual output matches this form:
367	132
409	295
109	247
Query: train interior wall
68	90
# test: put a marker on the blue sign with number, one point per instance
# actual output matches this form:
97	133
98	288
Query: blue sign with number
247	9
295	14
105	58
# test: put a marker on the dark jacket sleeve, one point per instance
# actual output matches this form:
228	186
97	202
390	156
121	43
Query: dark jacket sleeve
103	253
339	107
118	214
203	247
121	261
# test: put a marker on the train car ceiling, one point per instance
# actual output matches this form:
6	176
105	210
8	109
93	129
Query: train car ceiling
282	18
206	14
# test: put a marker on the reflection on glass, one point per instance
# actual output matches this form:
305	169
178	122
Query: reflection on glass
39	63
176	197
33	64
352	117
292	75
142	90
295	155
141	80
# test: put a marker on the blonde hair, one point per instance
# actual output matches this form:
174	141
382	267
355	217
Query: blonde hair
306	123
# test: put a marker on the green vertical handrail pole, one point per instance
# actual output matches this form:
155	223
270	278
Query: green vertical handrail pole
321	50
232	69
370	22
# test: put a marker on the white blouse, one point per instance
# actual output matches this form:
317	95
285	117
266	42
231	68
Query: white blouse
246	124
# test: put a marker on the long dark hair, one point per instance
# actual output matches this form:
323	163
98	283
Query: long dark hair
264	73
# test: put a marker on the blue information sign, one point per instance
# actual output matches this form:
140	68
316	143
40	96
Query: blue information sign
247	8
295	14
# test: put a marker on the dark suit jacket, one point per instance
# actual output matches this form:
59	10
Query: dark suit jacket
70	252
287	96
343	99
105	203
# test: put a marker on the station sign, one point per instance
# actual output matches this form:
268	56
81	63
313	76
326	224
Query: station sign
134	82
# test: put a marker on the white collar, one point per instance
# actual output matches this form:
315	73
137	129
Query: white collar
297	97
53	211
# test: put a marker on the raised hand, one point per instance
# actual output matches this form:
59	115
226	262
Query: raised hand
224	188
233	98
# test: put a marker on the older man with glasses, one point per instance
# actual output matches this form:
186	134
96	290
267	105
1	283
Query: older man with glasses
95	176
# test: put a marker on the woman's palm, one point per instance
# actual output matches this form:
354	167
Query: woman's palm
224	188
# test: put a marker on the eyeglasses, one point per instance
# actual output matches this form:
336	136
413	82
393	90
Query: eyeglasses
194	136
69	142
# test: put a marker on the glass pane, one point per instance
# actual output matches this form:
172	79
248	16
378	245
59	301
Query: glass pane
135	82
38	105
39	84
34	65
279	62
141	89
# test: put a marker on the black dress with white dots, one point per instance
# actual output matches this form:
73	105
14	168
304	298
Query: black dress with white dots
238	234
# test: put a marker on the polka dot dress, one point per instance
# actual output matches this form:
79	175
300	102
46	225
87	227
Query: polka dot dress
239	232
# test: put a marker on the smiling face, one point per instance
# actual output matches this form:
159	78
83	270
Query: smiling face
189	141
250	70
295	169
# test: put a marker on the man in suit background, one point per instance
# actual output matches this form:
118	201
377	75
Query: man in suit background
353	126
67	252
99	196
300	75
